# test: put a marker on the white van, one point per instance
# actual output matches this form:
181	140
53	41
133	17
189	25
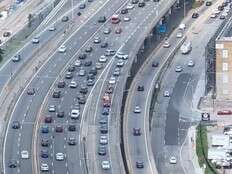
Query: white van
186	47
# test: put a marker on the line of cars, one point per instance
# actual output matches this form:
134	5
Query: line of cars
224	8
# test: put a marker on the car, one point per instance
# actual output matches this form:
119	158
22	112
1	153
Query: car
60	114
104	45
102	19
68	75
126	19
166	94
220	8
82	6
12	163
44	167
83	89
78	63
155	64
102	150
179	35
44	129
103	120
48	119
121	55
24	154
105	111
105	165
103	140
93	71
96	40
195	15
75	113
6	34
104	128
117	71
78	13
222	17
208	3
45	142
118	31
191	63
62	49
140	88
102	59
82	99
16	58
35	40
88	63
112	80
15	125
81	72
216	11
213	15
31	91
56	94
124	11
120	63
61	84
64	19
136	131
135	1
51	108
130	6
71	68
59	156
72	127
166	44
107	31
73	84
172	160
89	49
71	141
52	28
90	82
82	56
90	76
139	164
137	109
141	4
110	52
110	89
44	153
59	128
178	68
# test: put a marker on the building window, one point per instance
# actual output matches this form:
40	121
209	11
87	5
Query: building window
224	54
225	78
225	67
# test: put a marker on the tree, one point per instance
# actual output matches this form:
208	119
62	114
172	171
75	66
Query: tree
1	54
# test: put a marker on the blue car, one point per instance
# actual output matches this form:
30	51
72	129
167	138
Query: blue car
44	153
44	129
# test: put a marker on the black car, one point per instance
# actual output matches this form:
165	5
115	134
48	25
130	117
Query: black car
12	163
60	114
82	6
68	75
71	68
141	4
103	120
104	45
64	19
72	141
15	125
31	91
88	63
102	19
104	128
139	164
105	111
45	142
134	1
89	49
155	64
140	88
222	17
102	150
124	11
61	84
78	13
48	119
136	132
83	90
220	8
224	4
56	94
44	153
82	56
6	34
195	15
72	127
208	3
16	58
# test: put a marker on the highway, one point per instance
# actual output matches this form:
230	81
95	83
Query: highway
27	106
164	122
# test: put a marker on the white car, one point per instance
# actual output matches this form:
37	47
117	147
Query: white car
179	35
130	6
44	167
172	160
103	140
166	94
112	80
77	63
52	108
75	113
99	65
52	28
191	63
216	11
105	165
137	109
178	68
213	15
126	19
35	40
97	40
120	63
62	49
166	44
81	72
102	59
24	154
73	84
59	156
121	55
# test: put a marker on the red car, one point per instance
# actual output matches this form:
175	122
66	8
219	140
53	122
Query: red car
224	112
48	119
